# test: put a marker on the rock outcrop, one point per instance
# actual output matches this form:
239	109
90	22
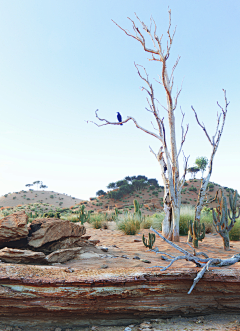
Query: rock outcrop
13	227
54	293
12	255
63	255
46	230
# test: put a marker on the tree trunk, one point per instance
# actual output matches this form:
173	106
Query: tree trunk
226	242
170	225
176	219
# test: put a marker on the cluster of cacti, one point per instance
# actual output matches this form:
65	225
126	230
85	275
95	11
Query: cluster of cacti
151	240
83	217
220	219
137	211
196	232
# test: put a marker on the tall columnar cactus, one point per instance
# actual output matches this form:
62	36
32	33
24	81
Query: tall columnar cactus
220	219
196	231
137	211
83	217
151	240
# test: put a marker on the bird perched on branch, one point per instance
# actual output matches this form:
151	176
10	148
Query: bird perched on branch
119	117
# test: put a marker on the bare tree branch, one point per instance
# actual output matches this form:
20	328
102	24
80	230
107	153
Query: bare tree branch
183	133
204	263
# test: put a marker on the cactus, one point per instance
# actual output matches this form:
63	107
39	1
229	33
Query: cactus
196	231
220	219
151	240
83	217
137	211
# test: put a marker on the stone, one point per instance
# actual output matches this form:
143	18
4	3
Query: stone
63	255
64	243
13	227
145	261
104	249
137	240
12	255
94	242
136	258
47	230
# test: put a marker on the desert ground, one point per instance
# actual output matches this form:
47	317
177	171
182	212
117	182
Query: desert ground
117	250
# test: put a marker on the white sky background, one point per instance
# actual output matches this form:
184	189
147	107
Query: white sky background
62	60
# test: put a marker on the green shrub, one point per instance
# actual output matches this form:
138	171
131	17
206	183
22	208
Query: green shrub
192	188
96	220
157	220
188	213
185	184
146	223
210	185
234	234
129	224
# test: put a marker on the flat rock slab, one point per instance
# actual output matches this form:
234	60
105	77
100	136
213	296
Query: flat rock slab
55	293
12	255
63	255
47	230
13	227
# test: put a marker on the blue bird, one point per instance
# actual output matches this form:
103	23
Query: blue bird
119	117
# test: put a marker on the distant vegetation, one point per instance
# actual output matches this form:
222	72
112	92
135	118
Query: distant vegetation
129	185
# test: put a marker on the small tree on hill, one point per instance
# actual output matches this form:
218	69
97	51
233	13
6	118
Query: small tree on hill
193	171
100	192
201	163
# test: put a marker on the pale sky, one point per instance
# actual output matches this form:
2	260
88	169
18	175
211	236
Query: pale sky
62	60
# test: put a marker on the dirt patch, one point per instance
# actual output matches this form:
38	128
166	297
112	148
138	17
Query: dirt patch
127	251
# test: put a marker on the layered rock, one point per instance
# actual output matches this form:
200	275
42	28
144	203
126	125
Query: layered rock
43	293
64	243
13	228
43	231
12	255
63	255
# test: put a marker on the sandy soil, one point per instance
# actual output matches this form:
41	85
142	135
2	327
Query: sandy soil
122	252
129	251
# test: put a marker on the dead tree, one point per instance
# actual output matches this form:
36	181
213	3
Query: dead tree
168	154
214	143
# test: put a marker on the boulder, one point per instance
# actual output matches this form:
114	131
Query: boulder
46	230
13	227
64	243
63	255
11	255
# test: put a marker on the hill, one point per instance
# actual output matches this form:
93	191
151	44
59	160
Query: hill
151	198
30	197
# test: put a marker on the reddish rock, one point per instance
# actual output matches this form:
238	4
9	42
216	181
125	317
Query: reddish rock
64	243
63	255
12	255
13	227
47	230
